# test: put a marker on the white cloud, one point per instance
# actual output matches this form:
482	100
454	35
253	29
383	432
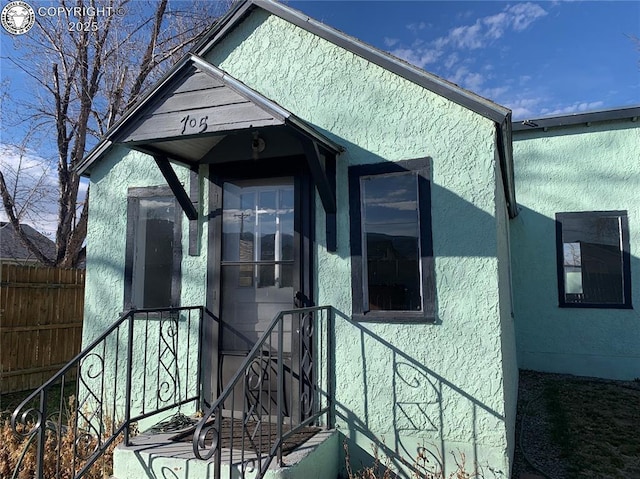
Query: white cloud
31	181
521	113
473	81
467	79
495	93
390	42
416	27
524	79
468	36
577	107
479	34
496	25
524	14
529	105
418	57
516	17
525	106
451	60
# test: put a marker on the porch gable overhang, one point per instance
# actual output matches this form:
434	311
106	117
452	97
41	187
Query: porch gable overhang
193	109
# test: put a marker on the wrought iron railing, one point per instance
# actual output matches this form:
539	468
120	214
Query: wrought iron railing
280	391
146	363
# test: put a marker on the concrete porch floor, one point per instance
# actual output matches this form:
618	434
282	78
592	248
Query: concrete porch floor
156	456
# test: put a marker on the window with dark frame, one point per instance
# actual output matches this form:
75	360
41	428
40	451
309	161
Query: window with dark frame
391	247
593	259
154	252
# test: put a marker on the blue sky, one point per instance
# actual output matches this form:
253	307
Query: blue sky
537	58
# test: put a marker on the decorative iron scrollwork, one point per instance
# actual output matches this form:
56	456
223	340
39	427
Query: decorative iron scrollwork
206	433
307	326
247	466
260	428
306	403
256	374
168	360
89	423
20	422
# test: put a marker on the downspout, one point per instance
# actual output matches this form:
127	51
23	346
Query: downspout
505	153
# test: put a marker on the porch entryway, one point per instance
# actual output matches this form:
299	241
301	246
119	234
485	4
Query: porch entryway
255	360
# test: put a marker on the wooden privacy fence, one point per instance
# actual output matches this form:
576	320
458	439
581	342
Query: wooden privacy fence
40	323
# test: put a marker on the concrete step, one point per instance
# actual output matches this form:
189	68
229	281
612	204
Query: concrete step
155	455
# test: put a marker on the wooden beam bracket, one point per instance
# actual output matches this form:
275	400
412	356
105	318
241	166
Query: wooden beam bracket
176	187
324	177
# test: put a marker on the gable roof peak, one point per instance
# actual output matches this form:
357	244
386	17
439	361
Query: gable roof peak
499	114
429	81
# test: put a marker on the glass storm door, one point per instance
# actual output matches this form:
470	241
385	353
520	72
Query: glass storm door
258	265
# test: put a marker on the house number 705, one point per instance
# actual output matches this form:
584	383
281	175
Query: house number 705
189	124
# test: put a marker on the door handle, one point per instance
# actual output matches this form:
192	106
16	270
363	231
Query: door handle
299	299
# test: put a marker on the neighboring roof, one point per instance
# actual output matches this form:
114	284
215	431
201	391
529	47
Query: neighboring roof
12	248
500	115
631	113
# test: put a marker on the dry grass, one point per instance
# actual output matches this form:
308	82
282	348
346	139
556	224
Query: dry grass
422	468
378	470
66	451
595	425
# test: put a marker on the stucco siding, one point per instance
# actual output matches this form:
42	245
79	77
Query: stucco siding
508	339
402	384
577	168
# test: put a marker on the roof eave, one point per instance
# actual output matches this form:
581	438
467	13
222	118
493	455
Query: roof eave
631	113
269	105
273	108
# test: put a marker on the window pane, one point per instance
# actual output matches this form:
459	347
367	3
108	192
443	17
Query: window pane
153	270
572	268
391	242
593	267
252	295
285	222
258	233
257	223
238	224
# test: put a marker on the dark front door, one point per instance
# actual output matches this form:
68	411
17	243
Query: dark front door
263	241
258	262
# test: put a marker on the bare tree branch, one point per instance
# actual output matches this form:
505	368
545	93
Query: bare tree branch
7	202
84	79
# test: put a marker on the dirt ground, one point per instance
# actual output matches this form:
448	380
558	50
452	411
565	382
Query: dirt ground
574	427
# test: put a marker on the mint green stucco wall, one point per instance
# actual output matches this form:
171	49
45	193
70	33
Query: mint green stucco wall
406	385
577	168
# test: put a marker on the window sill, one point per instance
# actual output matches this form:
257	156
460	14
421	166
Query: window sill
156	315
396	317
594	306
